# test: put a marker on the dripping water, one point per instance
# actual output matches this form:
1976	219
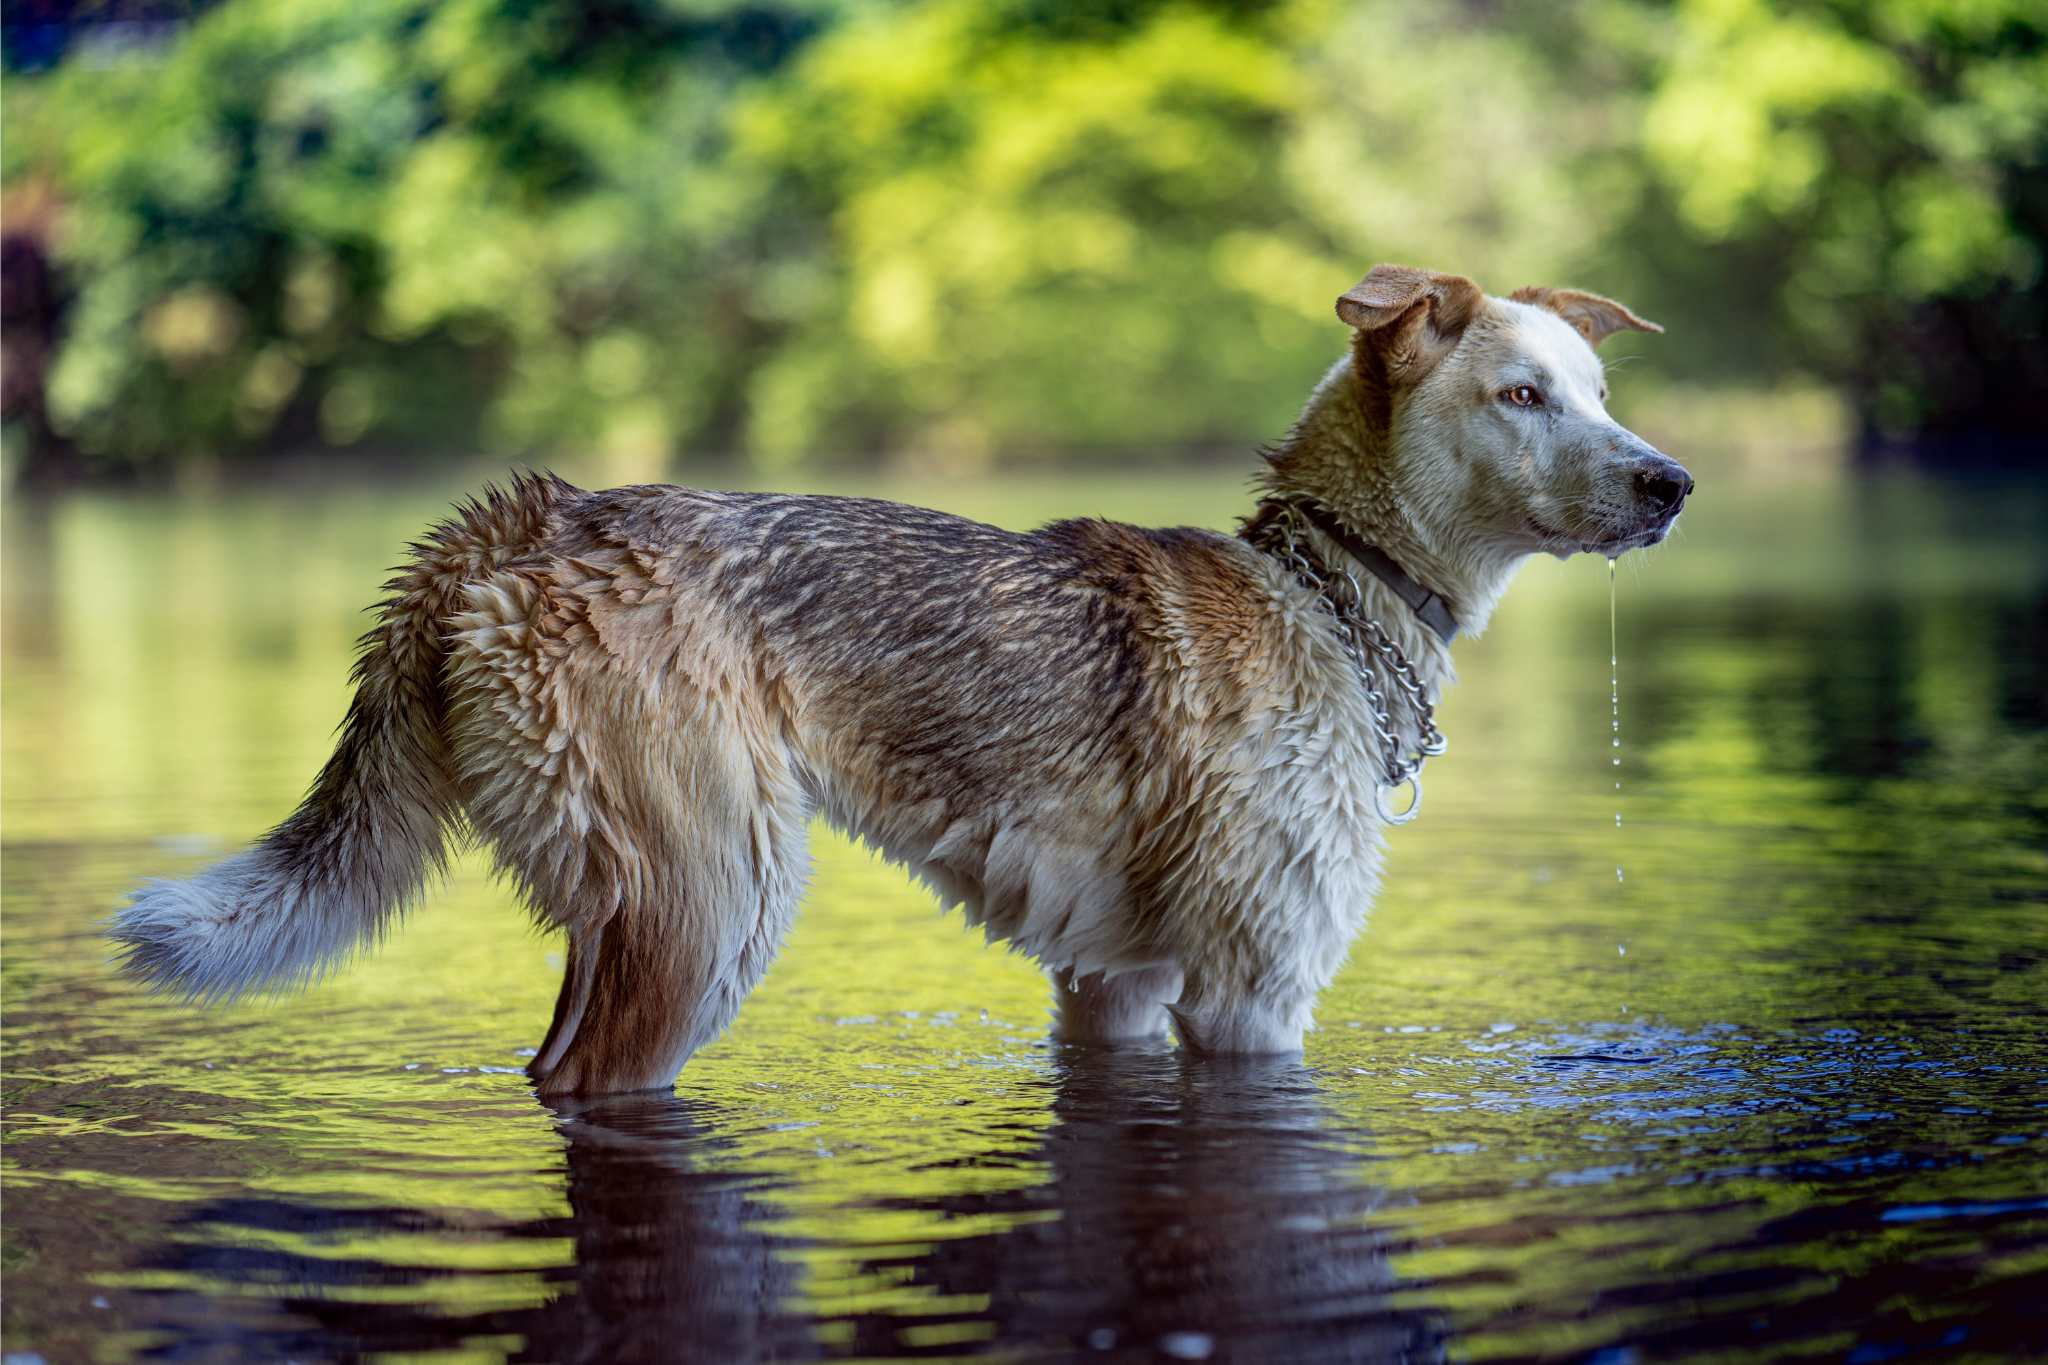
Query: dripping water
1614	702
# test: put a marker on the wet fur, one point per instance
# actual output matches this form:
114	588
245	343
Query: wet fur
1140	756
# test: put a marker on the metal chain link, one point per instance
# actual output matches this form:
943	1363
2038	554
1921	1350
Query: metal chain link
1363	639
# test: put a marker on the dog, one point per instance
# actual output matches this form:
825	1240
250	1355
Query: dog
1161	762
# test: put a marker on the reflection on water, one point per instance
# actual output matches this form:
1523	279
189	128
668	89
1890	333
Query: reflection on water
1174	1208
1179	1205
1782	1092
666	1254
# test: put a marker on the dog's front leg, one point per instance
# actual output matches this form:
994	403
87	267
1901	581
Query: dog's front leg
1218	1014
1127	1007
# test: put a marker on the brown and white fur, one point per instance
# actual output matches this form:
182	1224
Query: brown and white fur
1140	756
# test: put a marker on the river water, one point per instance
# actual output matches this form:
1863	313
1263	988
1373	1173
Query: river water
1782	1093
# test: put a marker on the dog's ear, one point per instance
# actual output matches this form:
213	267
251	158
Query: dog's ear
1412	317
1595	318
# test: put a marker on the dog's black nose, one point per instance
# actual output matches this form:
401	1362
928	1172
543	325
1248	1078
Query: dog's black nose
1663	485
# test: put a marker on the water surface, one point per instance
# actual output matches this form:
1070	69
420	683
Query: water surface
1782	1093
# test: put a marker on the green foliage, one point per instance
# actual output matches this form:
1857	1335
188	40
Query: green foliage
801	229
1891	156
1025	233
348	219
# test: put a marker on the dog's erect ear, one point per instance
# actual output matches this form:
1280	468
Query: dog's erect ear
1412	315
1595	318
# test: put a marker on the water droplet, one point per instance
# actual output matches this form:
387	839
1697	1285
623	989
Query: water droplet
1614	698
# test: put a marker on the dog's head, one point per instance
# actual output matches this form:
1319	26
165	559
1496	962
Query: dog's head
1495	410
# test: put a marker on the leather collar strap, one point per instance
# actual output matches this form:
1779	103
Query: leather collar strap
1432	609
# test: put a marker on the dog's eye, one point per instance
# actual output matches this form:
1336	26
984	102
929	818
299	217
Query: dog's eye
1523	396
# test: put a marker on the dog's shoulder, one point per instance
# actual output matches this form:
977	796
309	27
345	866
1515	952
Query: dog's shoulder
1204	601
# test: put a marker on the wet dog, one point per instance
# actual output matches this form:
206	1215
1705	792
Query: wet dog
1160	762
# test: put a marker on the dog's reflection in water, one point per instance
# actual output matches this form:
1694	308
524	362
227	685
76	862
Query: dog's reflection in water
1191	1208
1186	1209
675	1258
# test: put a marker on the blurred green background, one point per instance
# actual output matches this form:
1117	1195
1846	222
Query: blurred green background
942	234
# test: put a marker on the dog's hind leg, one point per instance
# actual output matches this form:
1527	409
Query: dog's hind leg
577	975
657	974
636	783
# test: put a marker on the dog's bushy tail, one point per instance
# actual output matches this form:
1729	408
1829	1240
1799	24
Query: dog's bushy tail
371	832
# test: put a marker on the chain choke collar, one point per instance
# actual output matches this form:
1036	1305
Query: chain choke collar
1280	531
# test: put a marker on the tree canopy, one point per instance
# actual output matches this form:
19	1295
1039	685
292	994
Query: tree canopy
811	230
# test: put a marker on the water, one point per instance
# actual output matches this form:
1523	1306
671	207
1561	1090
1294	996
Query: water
1783	1095
1614	697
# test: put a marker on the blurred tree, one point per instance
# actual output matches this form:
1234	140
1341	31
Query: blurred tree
334	221
802	228
1022	229
1881	165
